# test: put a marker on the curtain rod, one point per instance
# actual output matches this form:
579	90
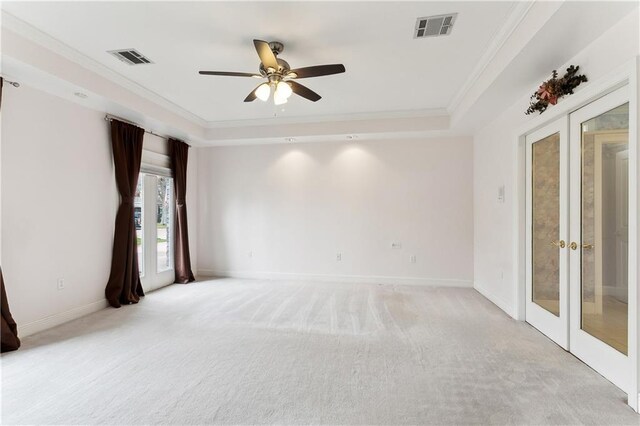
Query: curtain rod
110	118
13	83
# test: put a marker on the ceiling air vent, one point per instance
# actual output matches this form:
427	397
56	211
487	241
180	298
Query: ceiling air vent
130	56
434	26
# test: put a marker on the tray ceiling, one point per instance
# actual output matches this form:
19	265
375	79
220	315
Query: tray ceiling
387	69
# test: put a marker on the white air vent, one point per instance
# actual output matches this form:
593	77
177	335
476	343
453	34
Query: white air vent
130	56
434	26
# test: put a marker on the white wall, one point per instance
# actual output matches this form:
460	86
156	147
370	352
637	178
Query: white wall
295	206
59	201
495	152
58	204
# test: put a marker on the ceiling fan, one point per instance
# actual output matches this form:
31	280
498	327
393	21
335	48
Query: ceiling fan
280	76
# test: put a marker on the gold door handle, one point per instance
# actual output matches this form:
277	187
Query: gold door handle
560	244
587	246
573	246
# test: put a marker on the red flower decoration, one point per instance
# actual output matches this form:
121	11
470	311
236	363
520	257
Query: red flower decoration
545	93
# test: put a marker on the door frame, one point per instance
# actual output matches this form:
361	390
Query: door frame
627	74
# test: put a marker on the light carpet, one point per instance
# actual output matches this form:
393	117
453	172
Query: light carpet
234	351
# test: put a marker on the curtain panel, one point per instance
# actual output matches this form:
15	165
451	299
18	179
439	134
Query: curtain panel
179	152
124	286
9	338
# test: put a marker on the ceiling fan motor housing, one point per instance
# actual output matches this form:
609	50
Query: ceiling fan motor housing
276	47
283	66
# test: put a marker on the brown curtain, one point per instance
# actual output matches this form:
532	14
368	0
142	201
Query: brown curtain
124	286
9	339
179	152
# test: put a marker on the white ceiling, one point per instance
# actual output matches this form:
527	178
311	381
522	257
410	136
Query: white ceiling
387	70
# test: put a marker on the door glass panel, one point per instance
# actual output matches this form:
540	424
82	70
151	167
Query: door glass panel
546	223
137	219
605	227
164	223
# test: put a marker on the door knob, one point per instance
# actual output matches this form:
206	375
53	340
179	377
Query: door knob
573	246
560	244
587	246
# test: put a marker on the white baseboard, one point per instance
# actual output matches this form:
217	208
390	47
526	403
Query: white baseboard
350	279
496	300
33	327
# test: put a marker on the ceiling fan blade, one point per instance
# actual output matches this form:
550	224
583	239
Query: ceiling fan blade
318	70
252	96
303	91
267	57
230	74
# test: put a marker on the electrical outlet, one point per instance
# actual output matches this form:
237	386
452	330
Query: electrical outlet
396	245
413	259
60	283
338	257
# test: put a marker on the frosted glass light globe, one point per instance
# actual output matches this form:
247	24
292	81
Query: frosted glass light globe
283	89
279	99
263	92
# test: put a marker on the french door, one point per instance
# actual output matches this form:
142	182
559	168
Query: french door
578	235
154	210
547	307
599	261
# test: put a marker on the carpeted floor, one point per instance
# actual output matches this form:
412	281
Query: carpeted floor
238	351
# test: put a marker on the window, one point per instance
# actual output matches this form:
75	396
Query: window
164	224
155	214
138	220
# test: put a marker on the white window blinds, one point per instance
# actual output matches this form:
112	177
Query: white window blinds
155	155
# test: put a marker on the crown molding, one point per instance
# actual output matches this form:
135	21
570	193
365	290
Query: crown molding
308	129
379	115
516	15
37	36
337	138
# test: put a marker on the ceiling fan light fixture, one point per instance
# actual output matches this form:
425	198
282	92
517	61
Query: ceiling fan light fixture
280	76
282	93
263	92
283	89
279	100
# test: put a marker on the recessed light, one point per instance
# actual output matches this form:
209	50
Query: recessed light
81	95
290	139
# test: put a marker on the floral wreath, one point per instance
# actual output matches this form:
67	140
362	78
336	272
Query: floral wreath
555	88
